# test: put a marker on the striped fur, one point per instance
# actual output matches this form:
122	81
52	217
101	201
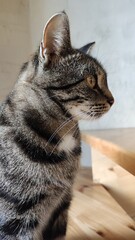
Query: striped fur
39	134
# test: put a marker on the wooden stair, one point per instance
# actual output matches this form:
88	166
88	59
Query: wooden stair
105	207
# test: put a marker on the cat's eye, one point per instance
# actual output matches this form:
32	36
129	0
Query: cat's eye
91	81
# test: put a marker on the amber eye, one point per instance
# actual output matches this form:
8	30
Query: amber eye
91	81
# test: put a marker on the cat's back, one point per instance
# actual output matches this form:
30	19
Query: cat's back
6	132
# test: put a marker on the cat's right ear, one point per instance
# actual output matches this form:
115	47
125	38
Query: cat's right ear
56	37
87	48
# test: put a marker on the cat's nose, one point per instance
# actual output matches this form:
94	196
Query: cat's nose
111	101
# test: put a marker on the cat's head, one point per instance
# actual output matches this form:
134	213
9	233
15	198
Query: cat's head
72	78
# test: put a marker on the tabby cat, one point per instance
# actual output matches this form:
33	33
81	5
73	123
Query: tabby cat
39	135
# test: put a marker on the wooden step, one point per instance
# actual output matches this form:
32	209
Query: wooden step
95	215
113	163
119	182
117	144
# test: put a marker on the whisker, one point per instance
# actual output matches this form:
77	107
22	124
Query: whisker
83	116
58	129
63	137
68	132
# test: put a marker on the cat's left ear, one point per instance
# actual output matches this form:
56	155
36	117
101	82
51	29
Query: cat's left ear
56	37
87	48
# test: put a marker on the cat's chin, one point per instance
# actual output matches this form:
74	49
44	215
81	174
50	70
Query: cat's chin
92	116
84	114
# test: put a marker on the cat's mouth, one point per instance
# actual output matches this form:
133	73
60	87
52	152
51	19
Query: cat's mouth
96	111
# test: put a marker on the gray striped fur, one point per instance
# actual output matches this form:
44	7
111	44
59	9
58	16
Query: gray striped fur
39	134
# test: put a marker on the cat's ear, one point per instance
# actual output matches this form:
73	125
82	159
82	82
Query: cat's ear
56	37
87	48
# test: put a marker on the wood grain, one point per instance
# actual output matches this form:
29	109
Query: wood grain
119	182
95	215
110	148
118	145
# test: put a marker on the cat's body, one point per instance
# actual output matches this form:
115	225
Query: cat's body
39	135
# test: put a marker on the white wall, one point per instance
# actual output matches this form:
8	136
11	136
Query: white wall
14	41
111	25
40	12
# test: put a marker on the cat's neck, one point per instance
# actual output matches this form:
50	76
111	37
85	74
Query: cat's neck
37	107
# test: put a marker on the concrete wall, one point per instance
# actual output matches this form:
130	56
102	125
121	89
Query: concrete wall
111	25
40	12
14	41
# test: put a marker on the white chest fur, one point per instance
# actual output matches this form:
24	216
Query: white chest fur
67	144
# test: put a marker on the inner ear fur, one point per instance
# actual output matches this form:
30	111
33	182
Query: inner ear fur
56	36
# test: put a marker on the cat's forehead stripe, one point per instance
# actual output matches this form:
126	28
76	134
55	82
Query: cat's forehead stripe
71	57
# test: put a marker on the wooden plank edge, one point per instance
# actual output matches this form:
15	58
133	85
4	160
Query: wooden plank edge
119	155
